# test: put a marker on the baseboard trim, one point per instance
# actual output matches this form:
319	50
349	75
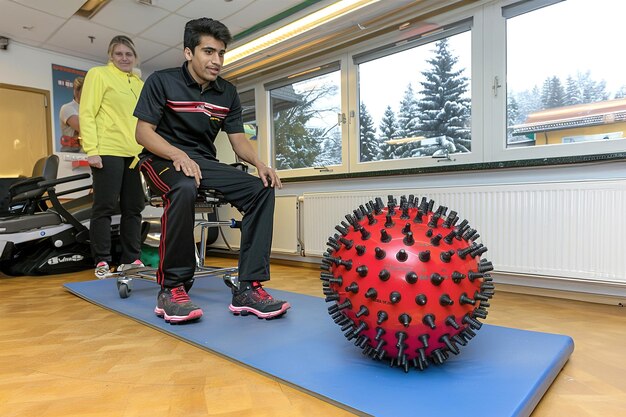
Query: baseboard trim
562	294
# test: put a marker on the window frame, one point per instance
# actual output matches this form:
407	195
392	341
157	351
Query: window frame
450	23
488	104
282	79
495	23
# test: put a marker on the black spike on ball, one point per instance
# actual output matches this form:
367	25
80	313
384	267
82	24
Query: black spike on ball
402	255
420	299
382	317
411	277
395	297
384	275
405	319
371	293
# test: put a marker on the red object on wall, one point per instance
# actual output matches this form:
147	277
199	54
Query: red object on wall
81	163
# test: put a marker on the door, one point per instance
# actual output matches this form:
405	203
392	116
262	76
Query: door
25	131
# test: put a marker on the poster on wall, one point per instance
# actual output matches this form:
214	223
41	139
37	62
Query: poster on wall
66	138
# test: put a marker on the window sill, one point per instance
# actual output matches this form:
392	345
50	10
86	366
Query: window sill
524	163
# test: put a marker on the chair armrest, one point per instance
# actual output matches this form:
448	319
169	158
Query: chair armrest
26	182
52	183
26	189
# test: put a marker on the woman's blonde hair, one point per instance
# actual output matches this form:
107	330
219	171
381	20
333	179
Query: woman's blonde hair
121	40
78	83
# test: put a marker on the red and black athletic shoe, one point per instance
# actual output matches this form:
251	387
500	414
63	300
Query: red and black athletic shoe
175	306
252	298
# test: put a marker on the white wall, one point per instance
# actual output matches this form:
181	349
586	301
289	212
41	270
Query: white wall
28	66
32	67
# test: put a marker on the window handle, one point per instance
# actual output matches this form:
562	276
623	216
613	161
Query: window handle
495	86
445	156
341	118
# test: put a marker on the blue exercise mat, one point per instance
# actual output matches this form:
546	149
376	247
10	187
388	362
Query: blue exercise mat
501	372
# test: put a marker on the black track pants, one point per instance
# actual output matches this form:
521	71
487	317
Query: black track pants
246	192
115	183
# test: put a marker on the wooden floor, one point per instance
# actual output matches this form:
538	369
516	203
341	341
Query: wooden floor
61	356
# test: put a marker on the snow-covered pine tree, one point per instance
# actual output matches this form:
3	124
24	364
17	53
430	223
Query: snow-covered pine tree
552	93
443	107
368	144
408	114
388	130
408	123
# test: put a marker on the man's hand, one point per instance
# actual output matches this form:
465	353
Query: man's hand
95	161
189	167
146	136
269	176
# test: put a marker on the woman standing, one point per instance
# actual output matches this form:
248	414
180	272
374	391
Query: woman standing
68	116
107	127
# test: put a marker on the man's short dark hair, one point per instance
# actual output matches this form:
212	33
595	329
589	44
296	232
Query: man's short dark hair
194	29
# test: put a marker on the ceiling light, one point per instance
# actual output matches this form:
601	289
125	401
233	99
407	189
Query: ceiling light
325	15
90	8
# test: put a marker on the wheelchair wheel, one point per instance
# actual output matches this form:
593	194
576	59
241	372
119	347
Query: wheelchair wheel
124	290
231	281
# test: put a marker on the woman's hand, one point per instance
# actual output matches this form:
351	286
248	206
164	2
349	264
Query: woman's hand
95	161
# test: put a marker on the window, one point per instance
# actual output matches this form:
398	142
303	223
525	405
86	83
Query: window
486	82
565	76
416	102
306	119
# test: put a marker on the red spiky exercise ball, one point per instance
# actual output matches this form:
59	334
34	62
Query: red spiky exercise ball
407	283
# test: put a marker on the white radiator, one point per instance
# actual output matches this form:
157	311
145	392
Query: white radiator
567	229
285	238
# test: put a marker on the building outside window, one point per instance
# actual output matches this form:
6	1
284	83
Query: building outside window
565	77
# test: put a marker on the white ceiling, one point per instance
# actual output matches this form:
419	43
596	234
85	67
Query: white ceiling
157	30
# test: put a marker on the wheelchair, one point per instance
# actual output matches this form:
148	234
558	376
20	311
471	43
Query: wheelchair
206	208
39	234
23	195
43	236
